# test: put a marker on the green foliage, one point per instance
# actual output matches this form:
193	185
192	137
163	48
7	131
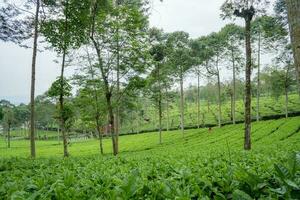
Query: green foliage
179	53
45	112
159	78
22	114
68	114
277	80
135	83
233	37
90	104
59	87
242	8
14	26
270	29
62	88
240	195
201	167
287	175
65	24
281	12
9	116
1	113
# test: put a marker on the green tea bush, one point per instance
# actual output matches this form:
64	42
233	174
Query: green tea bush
202	165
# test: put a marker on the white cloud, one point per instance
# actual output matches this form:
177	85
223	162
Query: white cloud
197	17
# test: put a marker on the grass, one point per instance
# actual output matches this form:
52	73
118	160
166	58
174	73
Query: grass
202	165
202	139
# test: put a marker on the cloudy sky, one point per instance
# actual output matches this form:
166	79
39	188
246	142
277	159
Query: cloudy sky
197	17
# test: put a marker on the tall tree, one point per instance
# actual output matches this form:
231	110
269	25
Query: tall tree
118	53
17	29
216	43
199	55
245	9
293	11
8	121
202	53
281	14
63	30
158	76
90	98
179	58
268	33
32	90
233	35
284	62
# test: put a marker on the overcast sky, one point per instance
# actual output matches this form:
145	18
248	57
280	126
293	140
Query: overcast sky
197	17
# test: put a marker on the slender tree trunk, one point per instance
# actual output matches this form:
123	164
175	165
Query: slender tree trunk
231	106
118	88
181	102
61	96
258	79
298	84
107	91
160	119
233	86
208	106
159	105
138	125
217	73
286	92
23	132
97	117
219	101
132	120
61	104
98	121
286	102
118	115
8	135
168	116
247	143
293	8
99	134
198	98
32	109
108	96
111	121
58	135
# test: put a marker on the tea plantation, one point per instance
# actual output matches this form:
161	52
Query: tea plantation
269	107
204	164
